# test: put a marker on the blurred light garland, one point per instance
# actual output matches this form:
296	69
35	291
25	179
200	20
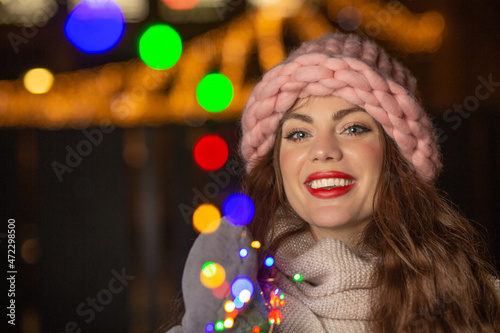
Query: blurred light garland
242	290
132	94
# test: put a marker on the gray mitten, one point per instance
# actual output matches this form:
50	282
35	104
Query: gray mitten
202	306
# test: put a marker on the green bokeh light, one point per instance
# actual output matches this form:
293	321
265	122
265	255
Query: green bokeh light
208	269
214	92
219	326
160	46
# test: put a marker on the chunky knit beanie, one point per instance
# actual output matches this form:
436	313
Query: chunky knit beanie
356	70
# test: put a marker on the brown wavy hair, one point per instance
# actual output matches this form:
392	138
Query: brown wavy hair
434	271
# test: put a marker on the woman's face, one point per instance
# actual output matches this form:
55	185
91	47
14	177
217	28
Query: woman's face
330	158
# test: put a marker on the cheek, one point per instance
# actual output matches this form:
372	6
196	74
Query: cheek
285	163
290	165
373	155
368	156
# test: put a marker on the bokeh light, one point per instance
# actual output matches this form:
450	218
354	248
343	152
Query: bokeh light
219	326
30	251
269	261
255	244
212	275
38	80
238	209
228	323
210	152
273	10
214	92
209	328
298	277
243	253
275	317
95	26
160	46
181	4
233	314
241	285
206	218
245	295
238	304
229	306
350	18
222	291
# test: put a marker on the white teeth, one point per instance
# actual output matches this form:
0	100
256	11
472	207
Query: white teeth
330	182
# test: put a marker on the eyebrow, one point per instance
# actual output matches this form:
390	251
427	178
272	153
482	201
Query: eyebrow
336	117
344	112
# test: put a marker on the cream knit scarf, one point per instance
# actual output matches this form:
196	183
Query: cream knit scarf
337	285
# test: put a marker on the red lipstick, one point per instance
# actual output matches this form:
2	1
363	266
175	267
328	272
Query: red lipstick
331	193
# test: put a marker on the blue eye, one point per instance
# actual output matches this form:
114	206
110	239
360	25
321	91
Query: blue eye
356	130
296	135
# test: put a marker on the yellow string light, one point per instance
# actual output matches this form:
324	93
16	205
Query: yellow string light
228	323
38	80
409	32
269	40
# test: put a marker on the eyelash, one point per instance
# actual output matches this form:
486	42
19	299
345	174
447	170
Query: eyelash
352	125
295	131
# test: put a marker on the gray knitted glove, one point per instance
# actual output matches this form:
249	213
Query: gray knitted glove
202	307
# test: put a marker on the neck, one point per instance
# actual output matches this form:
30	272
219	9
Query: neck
351	237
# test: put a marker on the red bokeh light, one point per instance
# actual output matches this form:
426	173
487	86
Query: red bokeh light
210	152
222	291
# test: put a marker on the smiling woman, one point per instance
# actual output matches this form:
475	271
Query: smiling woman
340	162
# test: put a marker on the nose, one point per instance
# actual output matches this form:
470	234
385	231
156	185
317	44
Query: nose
325	148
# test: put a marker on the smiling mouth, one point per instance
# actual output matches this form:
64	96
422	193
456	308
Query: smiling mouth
330	183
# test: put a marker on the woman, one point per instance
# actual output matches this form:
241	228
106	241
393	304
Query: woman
340	160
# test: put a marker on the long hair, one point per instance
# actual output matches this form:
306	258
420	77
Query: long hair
432	271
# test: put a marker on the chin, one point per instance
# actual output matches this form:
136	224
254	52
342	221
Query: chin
330	219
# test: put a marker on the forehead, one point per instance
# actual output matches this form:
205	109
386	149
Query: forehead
306	108
330	101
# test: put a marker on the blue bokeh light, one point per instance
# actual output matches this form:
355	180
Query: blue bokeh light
95	26
269	261
238	209
241	283
209	328
238	304
243	253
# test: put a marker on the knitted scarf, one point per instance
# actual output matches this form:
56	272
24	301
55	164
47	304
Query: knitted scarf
337	287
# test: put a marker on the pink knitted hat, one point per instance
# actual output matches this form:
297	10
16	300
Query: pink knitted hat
356	70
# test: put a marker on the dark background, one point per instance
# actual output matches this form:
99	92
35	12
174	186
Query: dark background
115	213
